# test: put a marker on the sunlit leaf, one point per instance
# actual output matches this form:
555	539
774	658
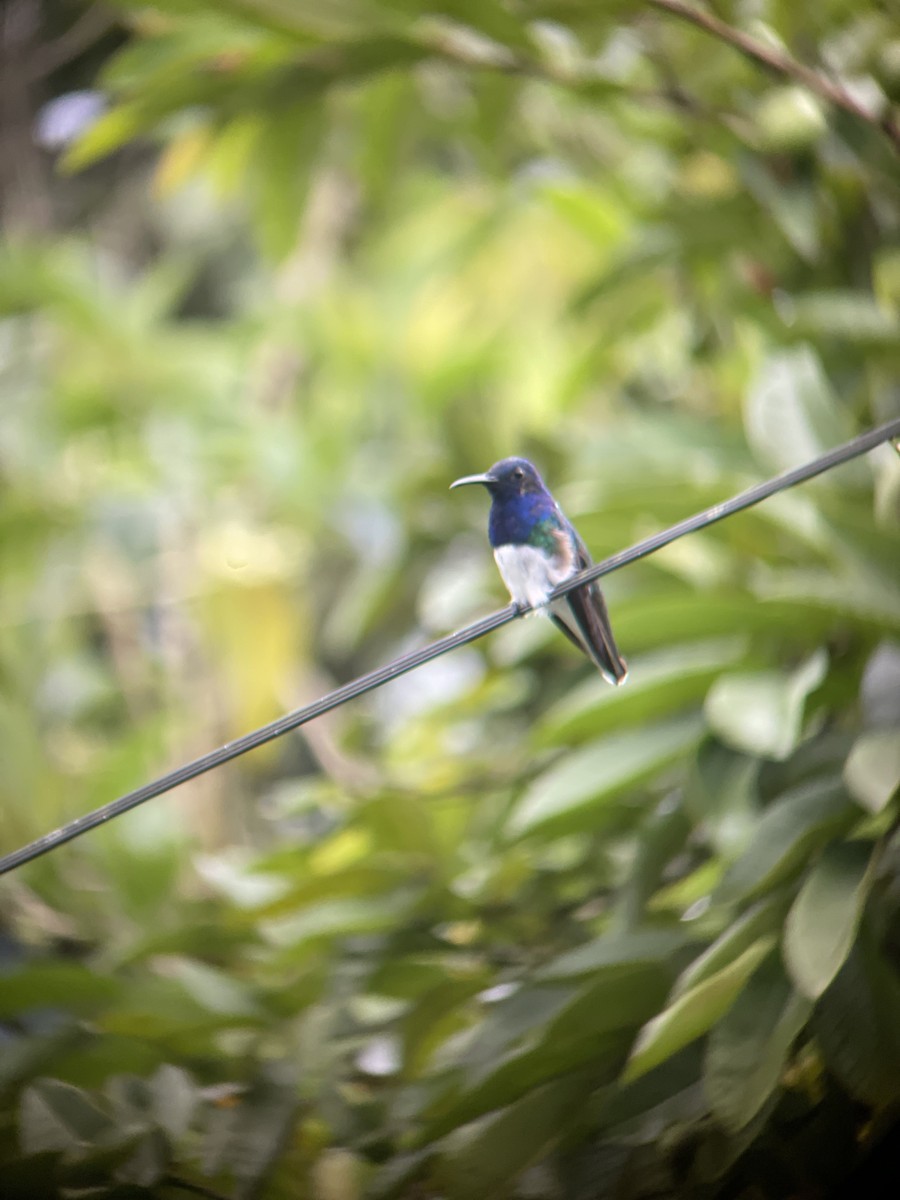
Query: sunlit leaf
761	919
693	1012
670	680
572	793
792	413
822	923
872	769
762	713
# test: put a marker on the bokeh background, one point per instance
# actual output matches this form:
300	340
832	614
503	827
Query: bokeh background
274	273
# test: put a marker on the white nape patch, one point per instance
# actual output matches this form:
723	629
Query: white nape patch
529	573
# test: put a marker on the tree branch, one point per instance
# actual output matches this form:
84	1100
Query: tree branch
782	63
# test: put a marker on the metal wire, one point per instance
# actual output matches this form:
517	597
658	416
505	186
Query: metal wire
417	658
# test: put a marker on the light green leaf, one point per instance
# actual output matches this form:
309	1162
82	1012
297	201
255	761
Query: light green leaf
760	920
659	685
108	133
792	414
336	918
571	793
175	1097
663	619
790	118
852	316
287	147
872	769
787	832
694	1012
747	1049
823	921
762	713
214	990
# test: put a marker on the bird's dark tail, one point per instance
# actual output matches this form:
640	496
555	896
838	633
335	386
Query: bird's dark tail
583	618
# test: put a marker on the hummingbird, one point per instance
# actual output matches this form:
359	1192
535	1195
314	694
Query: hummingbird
536	549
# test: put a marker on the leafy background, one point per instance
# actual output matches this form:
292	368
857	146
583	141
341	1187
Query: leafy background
274	274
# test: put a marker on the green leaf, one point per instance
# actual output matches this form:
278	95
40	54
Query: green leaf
694	1012
788	831
761	919
791	206
823	920
216	991
55	984
570	1028
872	769
663	619
615	951
854	317
793	415
56	1116
746	1051
790	118
662	835
247	1139
484	1158
175	1098
108	133
337	918
393	1178
572	793
287	147
659	685
762	713
857	1024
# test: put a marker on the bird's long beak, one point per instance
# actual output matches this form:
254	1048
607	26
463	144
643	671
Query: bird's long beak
485	479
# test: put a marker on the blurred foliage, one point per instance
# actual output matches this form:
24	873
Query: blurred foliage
499	930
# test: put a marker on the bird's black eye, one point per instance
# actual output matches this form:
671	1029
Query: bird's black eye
518	473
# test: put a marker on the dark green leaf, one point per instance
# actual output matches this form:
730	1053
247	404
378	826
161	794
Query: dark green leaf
747	1049
789	830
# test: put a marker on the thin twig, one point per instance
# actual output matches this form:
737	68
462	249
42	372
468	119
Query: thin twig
782	63
417	658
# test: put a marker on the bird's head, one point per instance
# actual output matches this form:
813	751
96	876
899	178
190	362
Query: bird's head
507	479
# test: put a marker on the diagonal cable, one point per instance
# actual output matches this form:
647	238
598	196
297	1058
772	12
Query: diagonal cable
417	658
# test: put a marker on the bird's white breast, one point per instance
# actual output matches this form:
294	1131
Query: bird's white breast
529	574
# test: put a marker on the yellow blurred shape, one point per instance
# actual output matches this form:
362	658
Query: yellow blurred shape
180	160
347	848
707	176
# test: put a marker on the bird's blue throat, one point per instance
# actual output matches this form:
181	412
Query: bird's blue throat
523	520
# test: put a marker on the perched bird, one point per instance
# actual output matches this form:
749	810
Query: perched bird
537	549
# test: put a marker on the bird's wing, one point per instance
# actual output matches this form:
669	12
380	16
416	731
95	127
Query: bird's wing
583	618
